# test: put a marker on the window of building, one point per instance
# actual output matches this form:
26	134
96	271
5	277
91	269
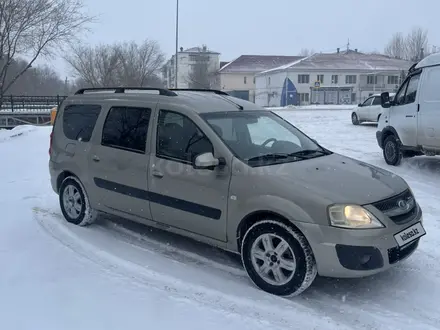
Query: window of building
350	79
393	80
79	121
304	97
178	138
268	81
320	78
254	80
245	80
126	128
371	80
303	79
335	78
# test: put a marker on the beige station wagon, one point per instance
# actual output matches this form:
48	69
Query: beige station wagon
234	175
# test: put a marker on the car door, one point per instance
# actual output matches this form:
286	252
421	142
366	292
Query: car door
375	109
119	158
183	197
428	132
363	111
403	113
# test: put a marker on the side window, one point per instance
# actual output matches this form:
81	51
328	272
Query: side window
179	138
411	91
377	101
79	120
399	99
367	102
126	128
430	85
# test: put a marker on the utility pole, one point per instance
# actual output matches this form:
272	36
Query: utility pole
177	42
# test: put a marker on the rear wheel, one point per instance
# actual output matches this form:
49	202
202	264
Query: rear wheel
392	152
278	259
354	119
75	204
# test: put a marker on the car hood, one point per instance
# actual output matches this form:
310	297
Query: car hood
339	179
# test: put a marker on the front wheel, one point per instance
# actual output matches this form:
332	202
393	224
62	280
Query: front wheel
278	259
392	152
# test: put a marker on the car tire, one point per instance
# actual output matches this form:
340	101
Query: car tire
75	204
354	119
278	259
392	153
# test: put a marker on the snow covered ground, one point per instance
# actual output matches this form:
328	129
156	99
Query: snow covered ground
116	275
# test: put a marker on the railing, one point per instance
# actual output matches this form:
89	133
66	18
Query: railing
29	104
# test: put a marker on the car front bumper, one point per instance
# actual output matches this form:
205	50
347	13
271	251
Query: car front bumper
350	253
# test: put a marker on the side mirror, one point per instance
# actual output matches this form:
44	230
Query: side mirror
206	161
385	100
360	105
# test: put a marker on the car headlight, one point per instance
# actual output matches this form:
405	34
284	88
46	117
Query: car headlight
353	217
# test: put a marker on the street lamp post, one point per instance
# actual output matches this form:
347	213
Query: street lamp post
177	42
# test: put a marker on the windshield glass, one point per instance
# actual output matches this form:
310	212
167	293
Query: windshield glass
262	137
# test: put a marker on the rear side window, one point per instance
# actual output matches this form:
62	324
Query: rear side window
79	120
126	128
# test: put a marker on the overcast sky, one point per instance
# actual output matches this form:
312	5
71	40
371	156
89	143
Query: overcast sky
273	27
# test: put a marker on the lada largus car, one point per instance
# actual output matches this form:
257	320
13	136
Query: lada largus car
229	173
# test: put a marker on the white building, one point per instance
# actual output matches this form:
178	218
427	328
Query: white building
238	76
347	77
186	61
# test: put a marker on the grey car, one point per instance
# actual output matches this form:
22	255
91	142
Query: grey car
229	173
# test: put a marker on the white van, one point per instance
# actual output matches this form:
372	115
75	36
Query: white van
410	123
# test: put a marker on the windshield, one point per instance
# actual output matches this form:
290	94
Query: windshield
261	137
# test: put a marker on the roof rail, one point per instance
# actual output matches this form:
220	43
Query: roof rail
118	90
215	91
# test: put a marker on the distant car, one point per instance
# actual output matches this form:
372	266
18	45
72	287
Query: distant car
369	111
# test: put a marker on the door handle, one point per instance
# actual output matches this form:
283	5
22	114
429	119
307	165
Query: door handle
157	174
95	158
409	116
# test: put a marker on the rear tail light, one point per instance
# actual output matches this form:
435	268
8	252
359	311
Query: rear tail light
50	143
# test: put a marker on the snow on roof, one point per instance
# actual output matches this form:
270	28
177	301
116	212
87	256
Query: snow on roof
430	60
348	60
198	50
256	63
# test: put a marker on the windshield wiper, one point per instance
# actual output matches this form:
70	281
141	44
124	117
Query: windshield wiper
274	156
307	152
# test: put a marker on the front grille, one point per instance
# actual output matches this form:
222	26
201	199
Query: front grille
396	254
390	207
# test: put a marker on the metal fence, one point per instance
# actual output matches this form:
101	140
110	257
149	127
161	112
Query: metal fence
29	104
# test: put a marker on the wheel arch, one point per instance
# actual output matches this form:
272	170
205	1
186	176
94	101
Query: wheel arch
254	217
387	131
62	176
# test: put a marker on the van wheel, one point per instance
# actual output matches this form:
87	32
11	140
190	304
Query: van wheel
278	259
354	119
75	204
391	151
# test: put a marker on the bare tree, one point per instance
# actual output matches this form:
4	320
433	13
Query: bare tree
35	28
306	52
201	74
413	47
140	64
396	47
126	64
416	44
97	66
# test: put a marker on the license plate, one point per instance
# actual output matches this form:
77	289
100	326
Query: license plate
410	234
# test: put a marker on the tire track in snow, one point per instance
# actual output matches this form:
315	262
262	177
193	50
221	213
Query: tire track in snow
261	308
